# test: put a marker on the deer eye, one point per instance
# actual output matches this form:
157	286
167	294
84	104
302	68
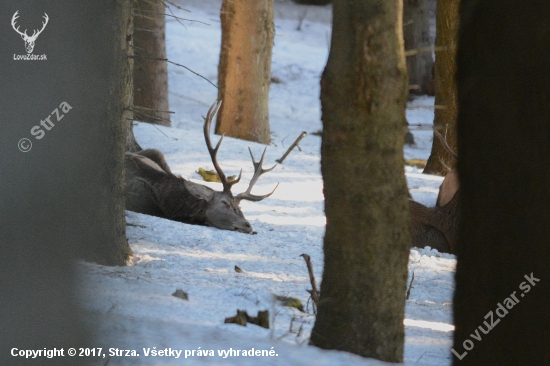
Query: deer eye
226	204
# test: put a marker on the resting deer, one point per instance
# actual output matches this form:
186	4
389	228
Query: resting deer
152	189
437	226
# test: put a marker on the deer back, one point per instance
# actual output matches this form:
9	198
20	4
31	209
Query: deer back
152	189
436	227
448	188
424	231
140	173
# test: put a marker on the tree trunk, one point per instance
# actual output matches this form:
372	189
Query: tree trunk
416	33
150	76
131	143
367	240
244	69
504	139
447	21
63	199
114	249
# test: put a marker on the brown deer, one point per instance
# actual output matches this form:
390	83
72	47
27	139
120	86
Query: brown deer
437	227
152	189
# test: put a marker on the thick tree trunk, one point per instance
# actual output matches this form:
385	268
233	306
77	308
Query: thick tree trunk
447	21
150	76
114	248
416	33
244	69
502	275
63	199
367	240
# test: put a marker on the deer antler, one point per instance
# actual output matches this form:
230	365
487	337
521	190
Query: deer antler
37	32
258	171
446	144
24	34
214	151
13	19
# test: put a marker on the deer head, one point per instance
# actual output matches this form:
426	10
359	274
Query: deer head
152	189
29	40
224	211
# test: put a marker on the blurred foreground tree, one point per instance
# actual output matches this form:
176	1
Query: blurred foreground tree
502	274
367	240
62	195
244	71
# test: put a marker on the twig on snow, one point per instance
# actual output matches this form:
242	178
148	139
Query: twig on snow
302	135
313	292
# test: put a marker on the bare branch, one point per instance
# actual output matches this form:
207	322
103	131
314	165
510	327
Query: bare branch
409	288
168	15
313	292
302	135
154	110
185	67
175	5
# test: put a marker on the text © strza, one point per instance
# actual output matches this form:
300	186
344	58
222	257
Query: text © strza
48	123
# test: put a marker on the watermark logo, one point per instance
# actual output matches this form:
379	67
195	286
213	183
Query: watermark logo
501	311
39	131
29	40
25	145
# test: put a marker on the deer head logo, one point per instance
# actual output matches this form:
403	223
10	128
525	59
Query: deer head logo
29	40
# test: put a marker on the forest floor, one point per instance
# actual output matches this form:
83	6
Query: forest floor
133	306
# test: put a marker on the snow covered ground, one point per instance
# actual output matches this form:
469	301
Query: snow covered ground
134	305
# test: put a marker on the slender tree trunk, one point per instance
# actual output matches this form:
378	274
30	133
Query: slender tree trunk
150	76
416	33
244	69
367	240
503	276
447	21
114	248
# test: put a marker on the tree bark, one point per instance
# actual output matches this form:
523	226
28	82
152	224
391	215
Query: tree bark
131	143
244	69
150	76
367	240
114	248
504	140
63	199
447	22
416	33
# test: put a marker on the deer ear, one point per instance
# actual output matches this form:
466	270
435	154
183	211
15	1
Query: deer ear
145	160
199	191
